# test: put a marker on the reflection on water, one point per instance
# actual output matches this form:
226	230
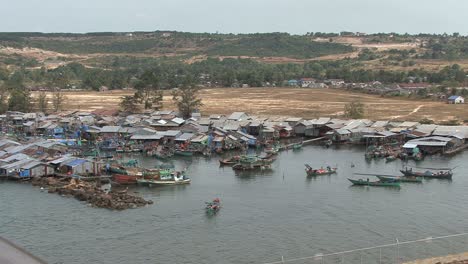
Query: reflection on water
265	215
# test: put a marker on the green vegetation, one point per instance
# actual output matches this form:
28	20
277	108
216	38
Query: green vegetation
277	44
354	110
186	98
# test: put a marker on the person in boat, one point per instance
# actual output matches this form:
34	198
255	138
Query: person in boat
328	168
367	179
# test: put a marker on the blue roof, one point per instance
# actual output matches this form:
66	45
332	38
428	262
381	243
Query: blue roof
75	162
453	97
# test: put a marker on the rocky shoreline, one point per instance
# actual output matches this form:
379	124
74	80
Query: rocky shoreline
90	193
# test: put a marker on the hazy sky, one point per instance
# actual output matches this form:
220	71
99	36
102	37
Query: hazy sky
235	16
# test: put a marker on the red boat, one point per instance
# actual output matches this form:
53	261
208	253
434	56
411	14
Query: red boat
125	179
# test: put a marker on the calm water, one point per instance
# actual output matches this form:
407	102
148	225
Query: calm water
264	216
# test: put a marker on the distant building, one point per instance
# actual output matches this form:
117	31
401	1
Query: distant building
456	99
305	82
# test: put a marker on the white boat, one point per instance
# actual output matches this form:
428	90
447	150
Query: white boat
171	179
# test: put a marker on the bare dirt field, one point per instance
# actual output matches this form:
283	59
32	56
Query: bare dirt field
307	103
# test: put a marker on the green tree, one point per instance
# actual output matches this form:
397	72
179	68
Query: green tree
58	99
187	100
149	92
129	104
19	100
42	102
354	110
3	99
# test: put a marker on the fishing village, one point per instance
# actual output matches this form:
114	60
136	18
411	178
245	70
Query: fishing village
81	154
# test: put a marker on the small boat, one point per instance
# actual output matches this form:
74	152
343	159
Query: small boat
375	183
125	179
166	177
390	158
297	146
400	179
213	207
318	172
440	174
183	153
229	161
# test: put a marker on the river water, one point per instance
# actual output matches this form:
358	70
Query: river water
264	216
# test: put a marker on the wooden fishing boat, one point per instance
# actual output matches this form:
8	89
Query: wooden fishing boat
125	179
362	182
244	167
213	207
400	179
183	153
172	178
428	174
229	161
297	146
118	170
319	172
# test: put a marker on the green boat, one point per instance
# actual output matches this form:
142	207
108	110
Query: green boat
183	153
362	182
400	179
118	170
297	146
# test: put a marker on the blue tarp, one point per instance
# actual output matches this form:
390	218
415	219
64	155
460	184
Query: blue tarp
76	162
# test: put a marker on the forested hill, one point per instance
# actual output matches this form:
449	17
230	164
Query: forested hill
258	45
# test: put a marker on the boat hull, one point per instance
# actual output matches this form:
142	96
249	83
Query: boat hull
425	175
376	184
318	173
162	182
184	153
125	179
401	179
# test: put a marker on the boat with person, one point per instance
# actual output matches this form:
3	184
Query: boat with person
252	163
410	179
361	182
165	177
319	172
213	207
393	178
430	173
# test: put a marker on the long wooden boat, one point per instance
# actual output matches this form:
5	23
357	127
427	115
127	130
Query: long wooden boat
375	183
125	179
319	172
184	153
400	179
429	174
152	182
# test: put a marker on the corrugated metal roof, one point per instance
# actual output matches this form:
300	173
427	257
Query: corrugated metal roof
147	137
75	162
110	129
185	137
31	164
172	133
